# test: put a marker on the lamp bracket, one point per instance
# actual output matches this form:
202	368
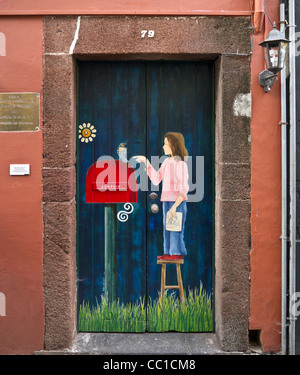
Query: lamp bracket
266	79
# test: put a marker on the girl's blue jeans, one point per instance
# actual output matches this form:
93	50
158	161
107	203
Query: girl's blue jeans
174	241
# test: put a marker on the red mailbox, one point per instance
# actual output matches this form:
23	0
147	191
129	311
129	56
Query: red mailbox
111	181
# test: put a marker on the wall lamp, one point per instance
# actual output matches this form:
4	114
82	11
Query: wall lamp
274	49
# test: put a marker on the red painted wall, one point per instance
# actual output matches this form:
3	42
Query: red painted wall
154	7
21	227
265	302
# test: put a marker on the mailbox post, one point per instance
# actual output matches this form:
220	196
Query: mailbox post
110	266
110	182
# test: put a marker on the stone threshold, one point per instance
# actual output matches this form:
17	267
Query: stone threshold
167	343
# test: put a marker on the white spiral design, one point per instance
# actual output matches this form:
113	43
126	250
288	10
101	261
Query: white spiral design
123	215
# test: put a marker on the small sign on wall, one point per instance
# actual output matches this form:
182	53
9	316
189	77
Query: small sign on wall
19	111
19	169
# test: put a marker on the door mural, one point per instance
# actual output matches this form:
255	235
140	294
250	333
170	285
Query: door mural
145	196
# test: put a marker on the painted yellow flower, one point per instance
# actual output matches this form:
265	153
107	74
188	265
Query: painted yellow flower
87	132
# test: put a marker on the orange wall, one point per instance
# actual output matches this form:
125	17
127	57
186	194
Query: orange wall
8	7
265	302
21	230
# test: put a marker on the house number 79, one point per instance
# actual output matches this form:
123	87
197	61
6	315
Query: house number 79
149	34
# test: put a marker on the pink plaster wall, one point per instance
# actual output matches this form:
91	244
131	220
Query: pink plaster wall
265	302
155	7
21	228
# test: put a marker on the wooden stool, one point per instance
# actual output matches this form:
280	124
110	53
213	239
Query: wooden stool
164	263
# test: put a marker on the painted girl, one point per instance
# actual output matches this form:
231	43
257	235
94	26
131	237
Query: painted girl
174	174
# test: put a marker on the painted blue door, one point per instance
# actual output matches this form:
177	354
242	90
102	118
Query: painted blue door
137	103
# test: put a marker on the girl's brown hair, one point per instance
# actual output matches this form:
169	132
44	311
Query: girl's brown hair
177	144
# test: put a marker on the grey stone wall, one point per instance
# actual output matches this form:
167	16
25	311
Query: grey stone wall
226	40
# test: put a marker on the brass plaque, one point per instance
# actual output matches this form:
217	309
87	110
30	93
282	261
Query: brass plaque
19	112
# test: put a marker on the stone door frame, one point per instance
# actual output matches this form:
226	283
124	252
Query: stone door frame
224	40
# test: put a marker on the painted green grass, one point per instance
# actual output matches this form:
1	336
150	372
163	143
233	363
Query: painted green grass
194	315
112	317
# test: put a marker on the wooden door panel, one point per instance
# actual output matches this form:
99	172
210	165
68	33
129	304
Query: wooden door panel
112	97
137	103
180	99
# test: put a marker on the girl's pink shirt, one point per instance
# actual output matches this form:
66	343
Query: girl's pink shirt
175	175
